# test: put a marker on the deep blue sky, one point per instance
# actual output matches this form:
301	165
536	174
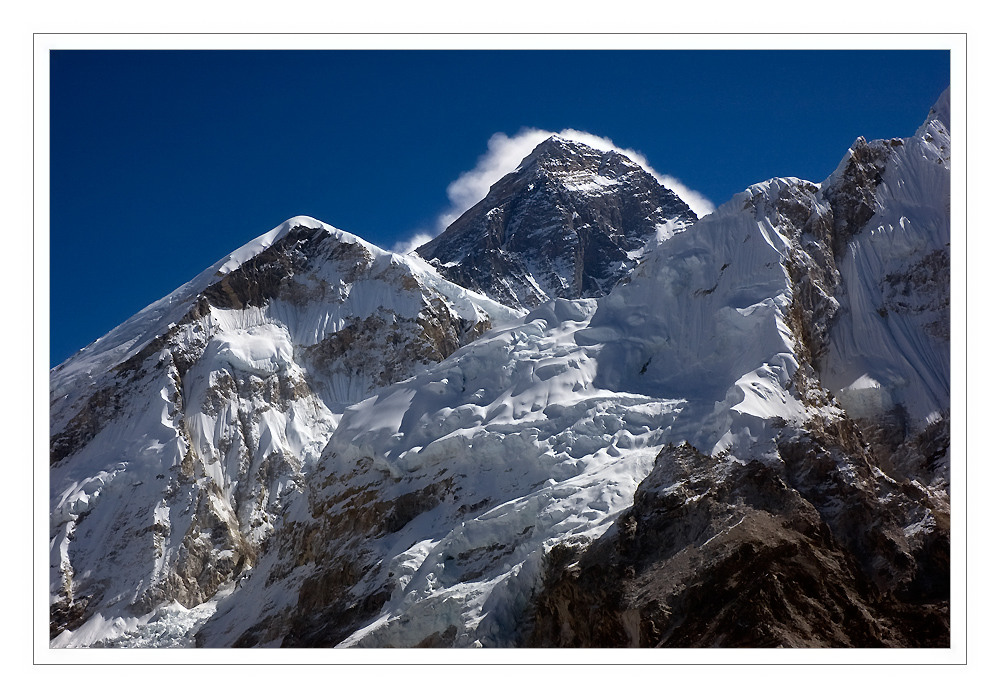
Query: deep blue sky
163	162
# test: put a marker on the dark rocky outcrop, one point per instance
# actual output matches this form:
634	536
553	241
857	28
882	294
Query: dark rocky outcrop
807	552
852	196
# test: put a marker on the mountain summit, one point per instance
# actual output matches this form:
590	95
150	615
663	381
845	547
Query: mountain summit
570	222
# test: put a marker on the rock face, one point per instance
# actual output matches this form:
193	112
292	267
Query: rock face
570	222
808	551
745	442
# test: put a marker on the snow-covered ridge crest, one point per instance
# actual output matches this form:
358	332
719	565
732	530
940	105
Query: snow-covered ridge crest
232	261
128	338
940	112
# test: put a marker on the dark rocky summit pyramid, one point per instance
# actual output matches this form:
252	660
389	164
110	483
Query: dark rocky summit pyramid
570	222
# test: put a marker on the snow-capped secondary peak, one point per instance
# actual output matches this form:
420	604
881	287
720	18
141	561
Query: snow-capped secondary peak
569	222
941	112
193	421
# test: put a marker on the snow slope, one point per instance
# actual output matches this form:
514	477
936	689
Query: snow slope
891	344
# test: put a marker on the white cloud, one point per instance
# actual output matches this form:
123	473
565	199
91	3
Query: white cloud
504	153
415	241
698	202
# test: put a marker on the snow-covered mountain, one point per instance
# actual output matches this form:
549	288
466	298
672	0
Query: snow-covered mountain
570	222
317	443
179	437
